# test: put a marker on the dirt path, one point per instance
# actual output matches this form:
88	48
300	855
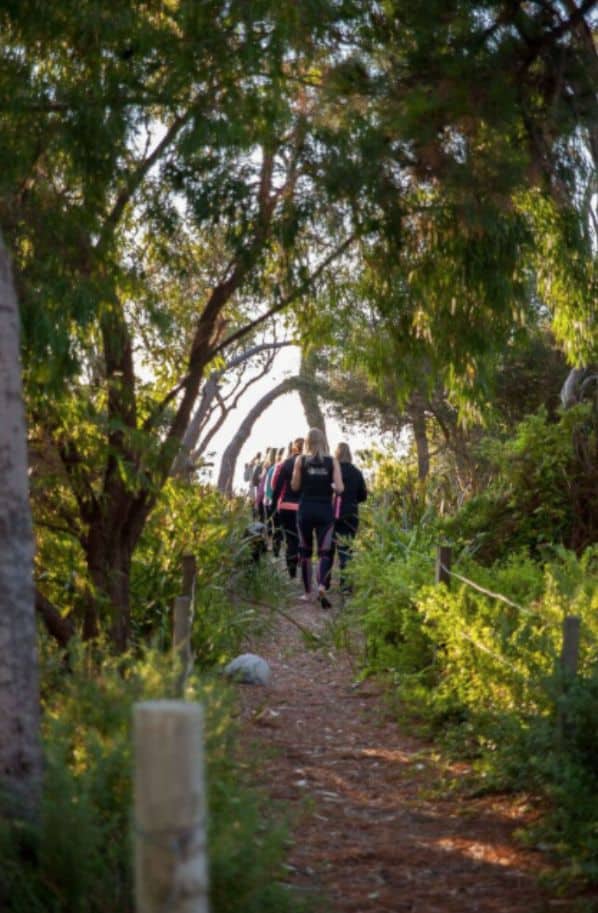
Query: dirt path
378	824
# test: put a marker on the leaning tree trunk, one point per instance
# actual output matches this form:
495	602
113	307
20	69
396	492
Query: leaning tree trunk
191	436
231	454
209	392
20	749
309	396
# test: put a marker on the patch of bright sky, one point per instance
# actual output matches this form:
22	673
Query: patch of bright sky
282	422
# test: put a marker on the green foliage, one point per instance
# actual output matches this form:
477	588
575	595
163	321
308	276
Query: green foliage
230	588
540	482
232	594
81	859
387	574
480	664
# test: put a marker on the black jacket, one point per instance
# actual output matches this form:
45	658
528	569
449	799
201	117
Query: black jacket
355	491
283	486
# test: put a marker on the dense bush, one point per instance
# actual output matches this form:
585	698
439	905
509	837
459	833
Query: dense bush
485	672
229	589
81	860
543	488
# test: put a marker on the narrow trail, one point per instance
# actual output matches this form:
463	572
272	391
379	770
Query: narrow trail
379	824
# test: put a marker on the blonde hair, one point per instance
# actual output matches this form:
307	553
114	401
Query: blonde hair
343	453
315	443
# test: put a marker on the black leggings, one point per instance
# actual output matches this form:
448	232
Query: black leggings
288	521
315	517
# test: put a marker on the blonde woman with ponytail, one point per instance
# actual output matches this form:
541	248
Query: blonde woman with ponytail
316	478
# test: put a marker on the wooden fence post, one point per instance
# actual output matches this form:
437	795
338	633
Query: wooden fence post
189	573
570	649
181	637
568	669
171	868
443	564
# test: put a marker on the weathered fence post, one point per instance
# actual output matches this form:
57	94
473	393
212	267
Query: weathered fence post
443	564
570	649
568	670
189	572
182	618
171	867
181	637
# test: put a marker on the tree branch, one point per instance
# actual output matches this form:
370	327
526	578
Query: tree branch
135	179
288	299
61	629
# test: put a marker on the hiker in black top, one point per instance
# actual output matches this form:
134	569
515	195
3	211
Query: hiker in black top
285	502
346	508
315	477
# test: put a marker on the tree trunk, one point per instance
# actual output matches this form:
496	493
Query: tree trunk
208	395
61	629
20	749
231	454
191	436
309	396
109	564
418	418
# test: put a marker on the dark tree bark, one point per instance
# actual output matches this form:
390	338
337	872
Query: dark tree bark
61	629
20	749
231	454
417	412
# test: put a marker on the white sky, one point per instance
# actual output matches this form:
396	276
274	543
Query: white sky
282	422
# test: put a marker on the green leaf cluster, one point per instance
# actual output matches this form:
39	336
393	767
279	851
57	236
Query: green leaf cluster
541	490
80	860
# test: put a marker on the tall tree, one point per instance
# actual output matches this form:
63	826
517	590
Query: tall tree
20	750
159	176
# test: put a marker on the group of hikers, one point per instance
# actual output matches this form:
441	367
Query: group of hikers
305	492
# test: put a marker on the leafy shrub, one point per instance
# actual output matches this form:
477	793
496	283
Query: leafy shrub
485	671
531	501
187	519
80	861
229	587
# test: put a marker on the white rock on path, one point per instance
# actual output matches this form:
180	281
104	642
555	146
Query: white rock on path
249	669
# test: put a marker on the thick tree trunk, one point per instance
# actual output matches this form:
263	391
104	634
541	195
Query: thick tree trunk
191	437
418	419
231	454
20	750
109	565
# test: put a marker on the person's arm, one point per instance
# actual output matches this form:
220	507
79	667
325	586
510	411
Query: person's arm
337	477
296	477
